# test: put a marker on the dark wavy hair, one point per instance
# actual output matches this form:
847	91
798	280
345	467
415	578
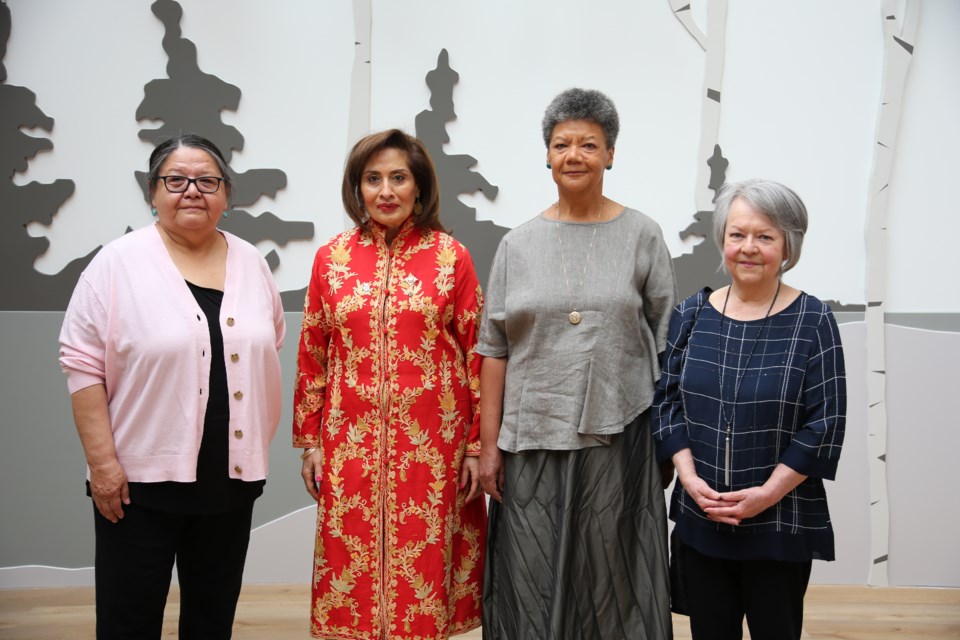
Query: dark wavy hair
419	162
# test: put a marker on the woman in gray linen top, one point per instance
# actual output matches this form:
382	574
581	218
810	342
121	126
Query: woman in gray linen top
576	313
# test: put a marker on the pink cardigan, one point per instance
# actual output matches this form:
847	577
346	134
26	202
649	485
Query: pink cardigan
133	325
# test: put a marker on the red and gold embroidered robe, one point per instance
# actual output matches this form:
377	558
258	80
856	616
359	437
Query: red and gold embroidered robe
388	389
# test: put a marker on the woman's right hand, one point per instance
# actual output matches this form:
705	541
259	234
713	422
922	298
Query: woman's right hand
109	488
701	492
694	485
491	471
311	473
108	480
493	375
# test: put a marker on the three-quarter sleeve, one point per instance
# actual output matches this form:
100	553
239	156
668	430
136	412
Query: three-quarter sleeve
660	288
668	419
311	381
83	350
493	330
815	448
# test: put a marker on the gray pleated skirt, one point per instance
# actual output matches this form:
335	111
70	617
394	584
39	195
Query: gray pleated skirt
578	549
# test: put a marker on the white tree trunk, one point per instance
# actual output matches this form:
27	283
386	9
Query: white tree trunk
359	118
714	45
899	33
358	123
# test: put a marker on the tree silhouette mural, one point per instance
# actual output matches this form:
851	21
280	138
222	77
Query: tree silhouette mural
455	173
701	267
22	287
190	100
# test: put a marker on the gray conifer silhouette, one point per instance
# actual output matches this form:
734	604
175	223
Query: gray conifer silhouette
701	268
455	173
190	100
23	288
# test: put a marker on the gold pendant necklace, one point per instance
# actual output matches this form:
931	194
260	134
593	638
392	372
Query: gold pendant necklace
574	315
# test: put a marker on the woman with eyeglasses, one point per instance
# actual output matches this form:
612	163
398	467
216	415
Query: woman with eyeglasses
170	348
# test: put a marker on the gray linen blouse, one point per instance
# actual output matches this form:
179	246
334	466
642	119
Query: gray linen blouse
572	386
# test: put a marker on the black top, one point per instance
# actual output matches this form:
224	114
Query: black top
214	491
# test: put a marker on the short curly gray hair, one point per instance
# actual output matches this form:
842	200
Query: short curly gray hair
778	202
582	104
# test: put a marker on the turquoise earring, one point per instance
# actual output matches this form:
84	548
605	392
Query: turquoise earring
226	214
153	212
549	166
609	166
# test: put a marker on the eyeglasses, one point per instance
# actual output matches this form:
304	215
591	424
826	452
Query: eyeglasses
179	184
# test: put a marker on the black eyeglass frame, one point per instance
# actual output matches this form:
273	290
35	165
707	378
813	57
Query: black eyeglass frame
190	181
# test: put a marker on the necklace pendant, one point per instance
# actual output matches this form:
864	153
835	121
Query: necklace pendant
574	317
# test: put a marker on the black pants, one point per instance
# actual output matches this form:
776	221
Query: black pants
768	592
134	564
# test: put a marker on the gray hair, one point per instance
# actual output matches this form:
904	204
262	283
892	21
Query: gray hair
582	104
163	150
776	201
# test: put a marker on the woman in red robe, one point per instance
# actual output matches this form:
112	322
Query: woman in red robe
386	400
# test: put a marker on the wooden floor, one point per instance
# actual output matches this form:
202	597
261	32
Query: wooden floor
279	612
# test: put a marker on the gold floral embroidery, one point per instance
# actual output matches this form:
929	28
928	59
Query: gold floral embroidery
446	261
339	270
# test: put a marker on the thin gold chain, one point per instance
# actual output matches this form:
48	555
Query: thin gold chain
575	314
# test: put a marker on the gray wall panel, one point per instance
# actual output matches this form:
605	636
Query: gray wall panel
47	517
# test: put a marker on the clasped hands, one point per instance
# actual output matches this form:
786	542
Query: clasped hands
729	508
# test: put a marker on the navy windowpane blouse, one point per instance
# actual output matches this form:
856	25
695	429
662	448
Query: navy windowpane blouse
784	398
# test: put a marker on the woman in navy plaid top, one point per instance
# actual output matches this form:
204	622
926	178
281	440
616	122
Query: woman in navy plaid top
751	409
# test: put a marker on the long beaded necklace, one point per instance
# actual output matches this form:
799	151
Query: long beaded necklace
728	422
575	316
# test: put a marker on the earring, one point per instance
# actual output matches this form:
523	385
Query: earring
226	214
418	207
153	212
549	166
609	166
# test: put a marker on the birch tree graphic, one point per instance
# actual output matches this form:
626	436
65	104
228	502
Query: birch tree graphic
22	287
699	268
899	35
455	172
190	100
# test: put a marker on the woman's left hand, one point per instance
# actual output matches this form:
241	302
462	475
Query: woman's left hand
470	477
311	472
747	503
740	505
